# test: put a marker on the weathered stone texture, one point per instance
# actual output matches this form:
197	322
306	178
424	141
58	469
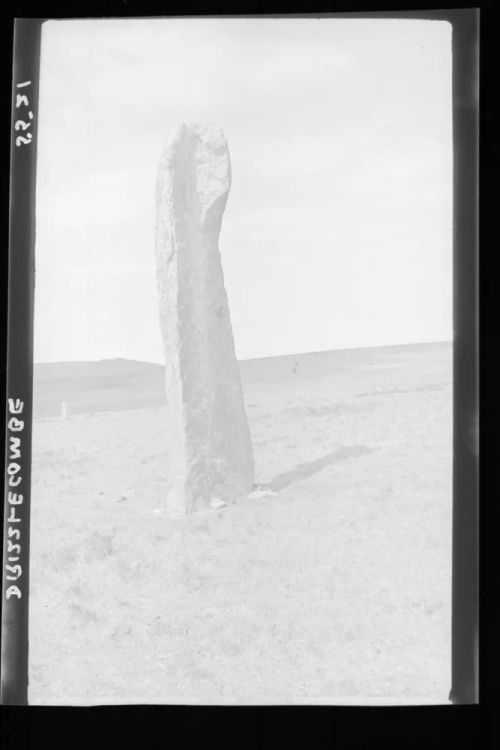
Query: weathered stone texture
209	446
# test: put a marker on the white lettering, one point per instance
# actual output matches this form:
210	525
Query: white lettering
12	517
22	99
16	571
16	425
15	445
15	405
21	139
21	125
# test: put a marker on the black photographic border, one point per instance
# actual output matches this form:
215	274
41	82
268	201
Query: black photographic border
341	724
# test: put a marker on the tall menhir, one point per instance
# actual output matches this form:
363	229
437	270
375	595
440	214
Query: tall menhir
209	450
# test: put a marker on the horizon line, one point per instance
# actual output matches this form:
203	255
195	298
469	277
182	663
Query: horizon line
252	359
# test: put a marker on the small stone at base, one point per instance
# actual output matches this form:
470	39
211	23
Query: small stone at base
256	494
216	502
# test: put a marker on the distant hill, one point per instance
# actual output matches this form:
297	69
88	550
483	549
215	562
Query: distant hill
123	384
107	385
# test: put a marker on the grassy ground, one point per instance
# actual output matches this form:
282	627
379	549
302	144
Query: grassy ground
338	586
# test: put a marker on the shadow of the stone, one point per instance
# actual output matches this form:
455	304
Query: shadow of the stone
305	470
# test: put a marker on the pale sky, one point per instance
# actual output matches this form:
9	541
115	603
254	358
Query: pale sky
338	227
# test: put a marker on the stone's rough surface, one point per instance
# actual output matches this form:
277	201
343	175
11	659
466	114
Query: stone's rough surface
209	446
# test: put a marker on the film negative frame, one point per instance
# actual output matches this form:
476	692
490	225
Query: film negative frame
19	357
19	375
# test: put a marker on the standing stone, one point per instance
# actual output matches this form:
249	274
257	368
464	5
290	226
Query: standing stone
209	446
